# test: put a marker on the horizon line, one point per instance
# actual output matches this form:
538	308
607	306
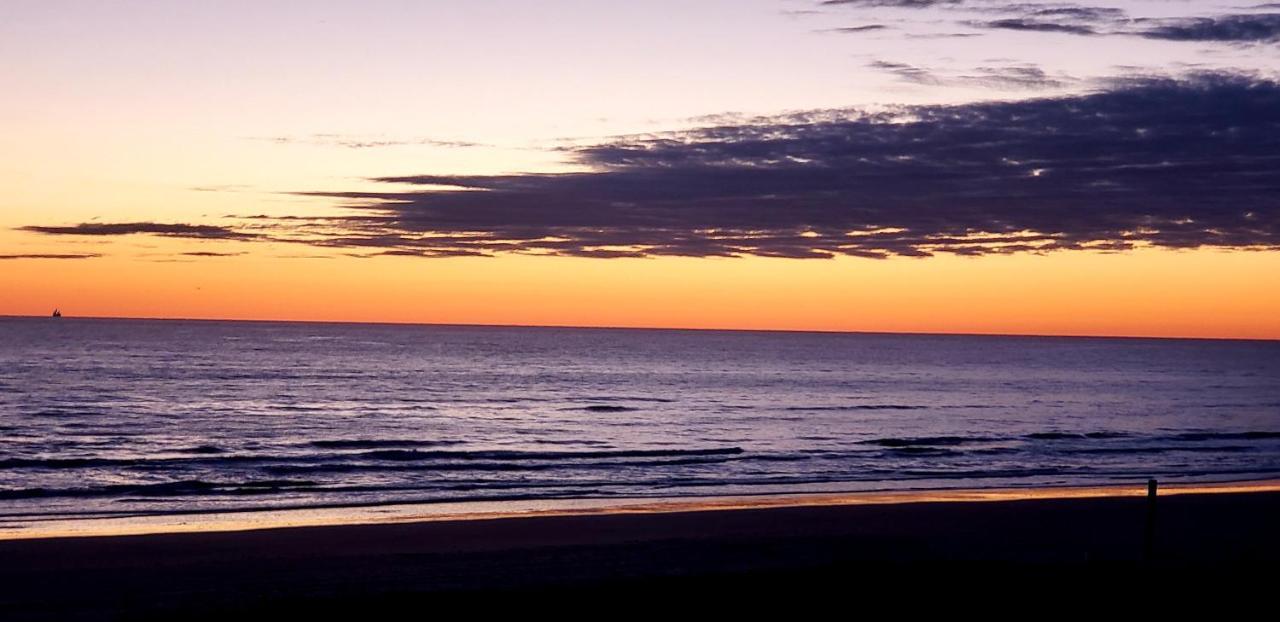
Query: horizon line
652	328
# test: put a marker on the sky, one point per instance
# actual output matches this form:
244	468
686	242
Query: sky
966	166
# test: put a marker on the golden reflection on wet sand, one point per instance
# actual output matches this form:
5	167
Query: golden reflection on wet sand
468	511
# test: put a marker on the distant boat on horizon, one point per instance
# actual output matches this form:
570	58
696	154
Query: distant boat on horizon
57	313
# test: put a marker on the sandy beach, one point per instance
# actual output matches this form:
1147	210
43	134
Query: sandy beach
786	546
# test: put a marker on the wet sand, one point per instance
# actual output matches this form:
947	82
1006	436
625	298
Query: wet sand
809	550
182	522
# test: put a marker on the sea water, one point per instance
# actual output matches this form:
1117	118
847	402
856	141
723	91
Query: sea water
136	417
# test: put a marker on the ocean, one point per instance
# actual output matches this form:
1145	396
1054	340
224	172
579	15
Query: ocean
136	417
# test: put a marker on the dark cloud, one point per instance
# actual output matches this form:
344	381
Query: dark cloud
1072	19
906	72
1243	28
1016	77
1169	163
52	256
1013	77
166	229
1076	12
1172	163
1088	20
1038	25
1091	20
942	35
1031	9
902	4
1252	28
1041	10
858	29
209	254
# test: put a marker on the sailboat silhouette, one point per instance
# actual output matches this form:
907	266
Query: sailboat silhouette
57	313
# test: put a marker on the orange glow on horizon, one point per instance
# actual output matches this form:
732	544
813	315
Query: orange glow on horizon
1157	293
217	114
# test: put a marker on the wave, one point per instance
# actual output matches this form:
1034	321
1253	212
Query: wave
568	442
625	398
606	467
62	463
1159	449
1054	436
586	398
928	441
55	413
166	489
317	495
1224	436
500	454
857	407
925	451
202	449
608	408
393	455
374	443
983	473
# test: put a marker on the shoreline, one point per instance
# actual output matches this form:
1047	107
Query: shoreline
792	551
469	511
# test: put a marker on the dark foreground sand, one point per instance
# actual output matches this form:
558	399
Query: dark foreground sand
909	555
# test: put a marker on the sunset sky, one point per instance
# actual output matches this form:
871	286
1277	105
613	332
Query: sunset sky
864	165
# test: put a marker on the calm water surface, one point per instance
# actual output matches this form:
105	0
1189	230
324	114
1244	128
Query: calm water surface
130	416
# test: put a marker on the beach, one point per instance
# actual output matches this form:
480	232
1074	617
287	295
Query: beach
784	549
231	470
788	309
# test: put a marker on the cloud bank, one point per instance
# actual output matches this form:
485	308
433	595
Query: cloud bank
1258	27
1173	163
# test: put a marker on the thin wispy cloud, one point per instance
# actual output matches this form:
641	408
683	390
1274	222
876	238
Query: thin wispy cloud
366	142
1037	25
1012	77
177	230
857	29
51	256
898	4
906	72
222	188
1007	77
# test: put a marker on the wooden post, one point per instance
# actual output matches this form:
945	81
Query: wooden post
1149	540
